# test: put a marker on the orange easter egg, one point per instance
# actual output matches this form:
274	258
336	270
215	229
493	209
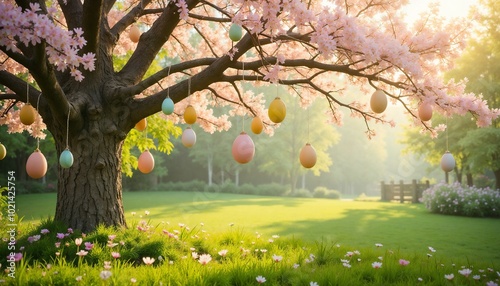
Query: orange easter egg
146	162
36	166
308	156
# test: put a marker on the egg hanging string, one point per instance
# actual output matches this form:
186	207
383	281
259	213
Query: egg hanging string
243	90
37	105
67	126
168	74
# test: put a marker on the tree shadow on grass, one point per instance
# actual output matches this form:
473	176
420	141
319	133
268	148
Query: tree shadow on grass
410	228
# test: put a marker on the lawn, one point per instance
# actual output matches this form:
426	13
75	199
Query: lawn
405	227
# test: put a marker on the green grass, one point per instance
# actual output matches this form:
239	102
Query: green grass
399	227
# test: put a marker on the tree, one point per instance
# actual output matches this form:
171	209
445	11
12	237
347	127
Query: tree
66	52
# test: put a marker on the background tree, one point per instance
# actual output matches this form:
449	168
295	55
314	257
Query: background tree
476	150
66	52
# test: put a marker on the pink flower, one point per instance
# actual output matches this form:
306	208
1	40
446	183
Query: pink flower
105	274
277	258
148	260
111	237
403	262
491	283
377	264
449	276
223	252
260	279
205	259
115	255
465	272
78	241
89	246
60	235
44	231
82	253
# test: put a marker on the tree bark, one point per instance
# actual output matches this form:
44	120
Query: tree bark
497	179
90	192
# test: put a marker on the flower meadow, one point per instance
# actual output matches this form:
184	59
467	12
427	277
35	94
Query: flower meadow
178	254
455	199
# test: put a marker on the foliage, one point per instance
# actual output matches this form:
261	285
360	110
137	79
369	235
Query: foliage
323	192
456	199
181	255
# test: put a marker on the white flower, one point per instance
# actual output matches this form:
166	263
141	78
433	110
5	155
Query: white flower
260	279
105	274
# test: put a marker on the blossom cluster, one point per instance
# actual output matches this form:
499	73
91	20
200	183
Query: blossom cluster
456	199
31	27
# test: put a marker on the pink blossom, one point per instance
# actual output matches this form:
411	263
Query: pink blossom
465	272
403	262
260	279
223	252
377	264
277	258
449	276
205	259
89	246
115	255
82	253
148	260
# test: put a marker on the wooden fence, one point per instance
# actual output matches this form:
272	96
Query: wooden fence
403	192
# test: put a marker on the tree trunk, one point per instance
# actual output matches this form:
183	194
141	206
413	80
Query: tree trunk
497	178
210	170
470	180
90	192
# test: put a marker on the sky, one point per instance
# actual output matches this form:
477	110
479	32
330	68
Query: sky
449	8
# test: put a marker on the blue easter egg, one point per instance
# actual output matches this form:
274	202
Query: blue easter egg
66	159
167	106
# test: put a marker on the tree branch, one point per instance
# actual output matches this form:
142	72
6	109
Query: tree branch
72	10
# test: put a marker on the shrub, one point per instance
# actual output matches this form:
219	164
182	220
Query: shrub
323	192
301	193
272	189
456	199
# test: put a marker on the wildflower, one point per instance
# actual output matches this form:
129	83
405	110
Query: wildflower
146	212
296	265
403	262
223	252
260	279
205	259
18	256
431	249
171	262
377	264
44	231
275	236
194	255
133	213
420	279
349	254
491	283
78	241
60	235
380	258
111	237
346	265
33	238
449	276
148	260
313	284
263	250
277	258
133	280
115	255
107	265
465	272
112	244
58	253
378	244
105	274
78	278
160	258
271	240
82	253
57	244
70	230
89	246
476	277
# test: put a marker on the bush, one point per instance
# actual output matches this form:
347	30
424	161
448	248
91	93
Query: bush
301	193
323	192
456	199
272	189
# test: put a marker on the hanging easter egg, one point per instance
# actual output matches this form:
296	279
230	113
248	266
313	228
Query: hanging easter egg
308	156
277	110
134	33
188	137
146	162
141	125
36	166
447	162
66	159
167	106
378	101
235	32
243	148
256	125
425	111
3	151
190	115
27	114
